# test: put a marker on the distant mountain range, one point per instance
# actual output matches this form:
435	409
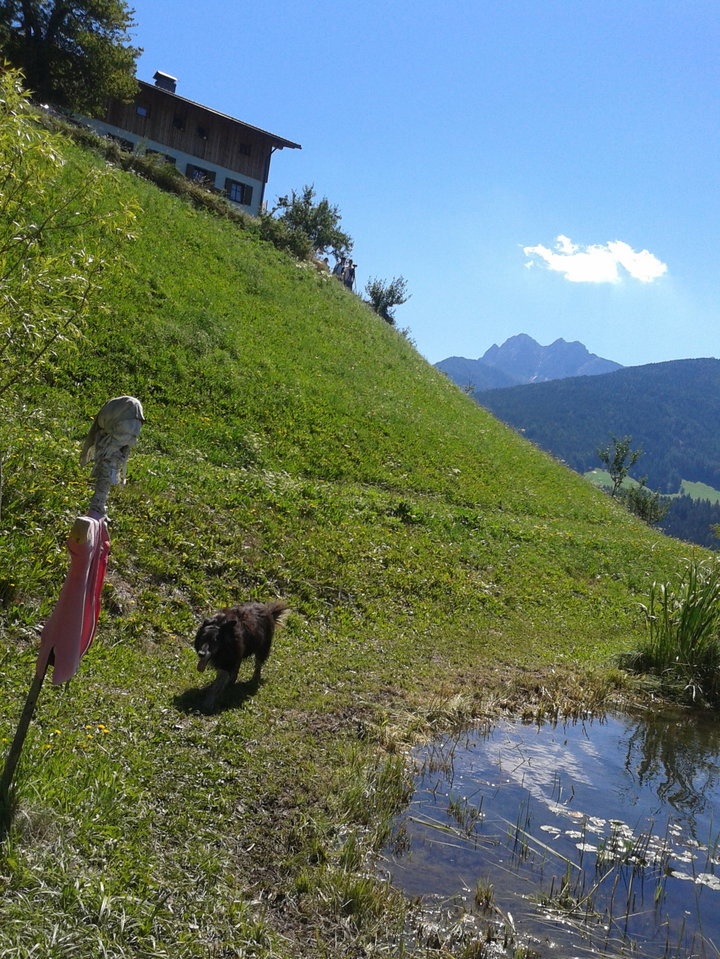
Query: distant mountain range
522	360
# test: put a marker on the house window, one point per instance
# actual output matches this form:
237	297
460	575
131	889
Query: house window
178	122
202	133
198	175
239	192
142	110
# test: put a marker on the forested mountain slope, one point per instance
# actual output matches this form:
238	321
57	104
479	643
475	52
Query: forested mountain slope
669	409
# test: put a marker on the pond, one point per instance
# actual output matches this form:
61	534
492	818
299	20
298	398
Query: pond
595	837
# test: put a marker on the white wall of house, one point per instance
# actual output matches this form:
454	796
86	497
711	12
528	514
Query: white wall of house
183	160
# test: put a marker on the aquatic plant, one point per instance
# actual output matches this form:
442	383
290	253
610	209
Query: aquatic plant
683	634
484	894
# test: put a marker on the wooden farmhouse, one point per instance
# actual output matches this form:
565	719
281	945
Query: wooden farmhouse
227	154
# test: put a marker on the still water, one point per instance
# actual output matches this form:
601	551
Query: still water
597	837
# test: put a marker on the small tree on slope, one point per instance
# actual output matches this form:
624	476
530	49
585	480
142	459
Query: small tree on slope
618	460
384	296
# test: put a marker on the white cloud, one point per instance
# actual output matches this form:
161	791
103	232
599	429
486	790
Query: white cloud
597	263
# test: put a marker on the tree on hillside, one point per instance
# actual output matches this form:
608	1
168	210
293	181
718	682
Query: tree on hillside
317	220
385	296
73	55
618	459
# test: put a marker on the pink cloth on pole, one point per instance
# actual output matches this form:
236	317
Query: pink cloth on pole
71	627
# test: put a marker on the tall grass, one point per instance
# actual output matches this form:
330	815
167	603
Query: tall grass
683	633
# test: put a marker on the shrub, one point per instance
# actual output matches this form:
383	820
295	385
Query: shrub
285	237
55	239
385	296
683	644
276	230
647	504
317	220
618	459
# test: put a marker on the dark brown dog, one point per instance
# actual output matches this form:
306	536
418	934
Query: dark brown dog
233	634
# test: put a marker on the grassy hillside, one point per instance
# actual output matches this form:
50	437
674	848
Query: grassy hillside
437	564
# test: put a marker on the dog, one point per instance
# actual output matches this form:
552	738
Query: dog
233	634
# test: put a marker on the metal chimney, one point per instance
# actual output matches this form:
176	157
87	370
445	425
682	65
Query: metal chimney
165	81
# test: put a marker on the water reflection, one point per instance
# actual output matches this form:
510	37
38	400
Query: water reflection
679	755
600	836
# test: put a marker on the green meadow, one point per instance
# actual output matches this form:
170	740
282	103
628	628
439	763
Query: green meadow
694	490
439	567
699	491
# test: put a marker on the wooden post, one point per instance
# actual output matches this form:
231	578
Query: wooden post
17	744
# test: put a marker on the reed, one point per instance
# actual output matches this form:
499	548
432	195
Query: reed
683	634
484	894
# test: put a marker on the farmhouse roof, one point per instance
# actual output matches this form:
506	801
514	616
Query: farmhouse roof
276	140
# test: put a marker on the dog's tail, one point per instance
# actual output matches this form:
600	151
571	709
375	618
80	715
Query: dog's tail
278	610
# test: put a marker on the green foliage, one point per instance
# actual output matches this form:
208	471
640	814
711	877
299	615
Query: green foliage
683	642
284	236
166	176
690	516
386	295
618	459
57	232
317	220
157	170
73	55
647	504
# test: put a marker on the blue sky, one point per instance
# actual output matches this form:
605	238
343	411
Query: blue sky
544	168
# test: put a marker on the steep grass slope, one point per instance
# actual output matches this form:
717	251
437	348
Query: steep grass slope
295	445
